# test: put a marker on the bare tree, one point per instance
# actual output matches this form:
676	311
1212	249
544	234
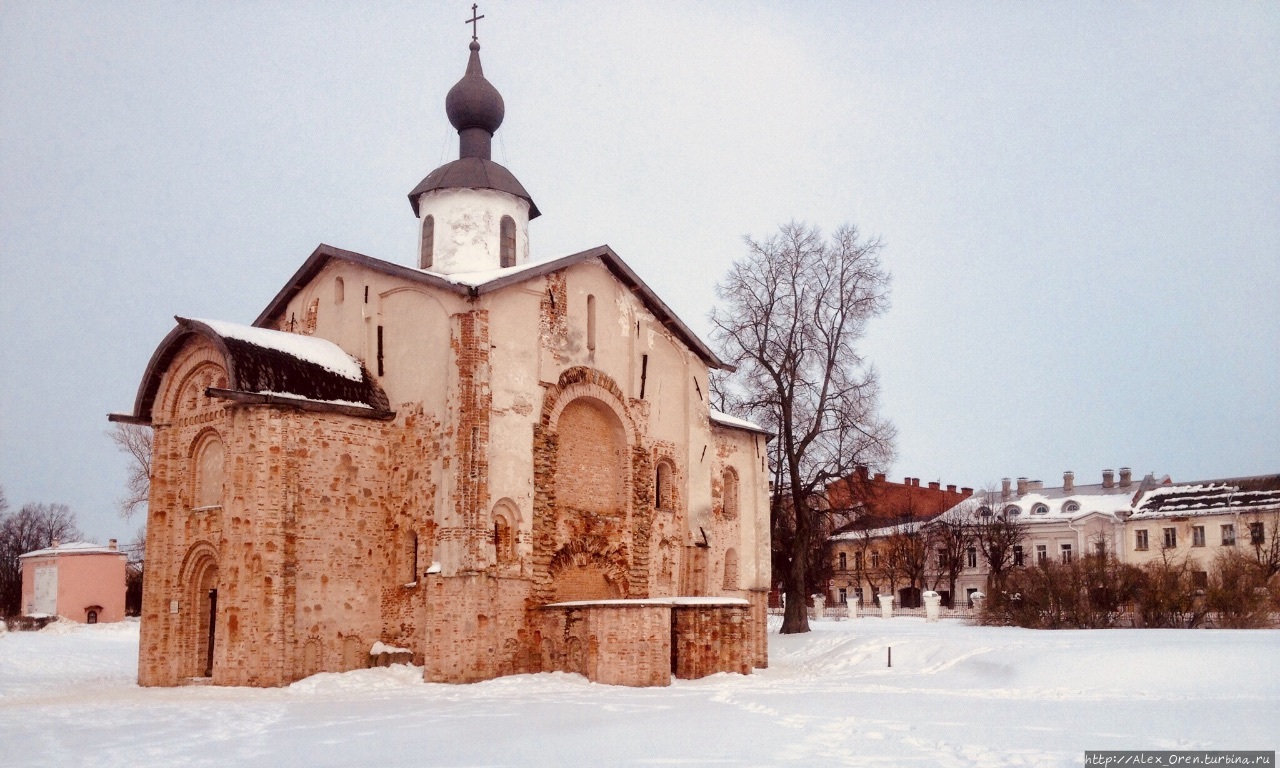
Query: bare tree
997	535
793	310
952	538
1264	538
134	441
33	527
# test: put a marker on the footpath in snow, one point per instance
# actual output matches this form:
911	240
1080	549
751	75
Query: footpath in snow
956	695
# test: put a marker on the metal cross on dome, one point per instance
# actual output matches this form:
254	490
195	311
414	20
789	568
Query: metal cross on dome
472	21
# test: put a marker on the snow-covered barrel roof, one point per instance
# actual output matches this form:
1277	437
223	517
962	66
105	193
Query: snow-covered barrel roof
271	367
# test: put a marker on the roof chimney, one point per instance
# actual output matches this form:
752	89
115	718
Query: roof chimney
1068	481
934	486
1004	489
915	482
54	544
111	545
951	489
1126	477
1108	478
1022	486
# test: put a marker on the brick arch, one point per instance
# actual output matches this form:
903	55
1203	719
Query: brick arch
199	574
589	568
567	513
581	381
206	469
199	360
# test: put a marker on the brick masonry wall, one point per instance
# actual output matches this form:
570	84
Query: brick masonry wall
612	644
711	639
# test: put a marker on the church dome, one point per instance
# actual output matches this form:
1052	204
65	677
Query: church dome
473	102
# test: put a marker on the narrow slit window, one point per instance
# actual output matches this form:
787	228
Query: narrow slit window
339	290
427	253
591	322
381	369
507	230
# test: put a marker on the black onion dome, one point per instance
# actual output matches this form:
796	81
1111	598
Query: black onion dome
473	102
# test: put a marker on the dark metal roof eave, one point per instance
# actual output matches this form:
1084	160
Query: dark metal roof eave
300	403
320	258
324	253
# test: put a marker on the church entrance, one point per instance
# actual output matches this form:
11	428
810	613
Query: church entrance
203	622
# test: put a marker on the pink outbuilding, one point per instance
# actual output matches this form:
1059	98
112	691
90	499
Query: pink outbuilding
78	580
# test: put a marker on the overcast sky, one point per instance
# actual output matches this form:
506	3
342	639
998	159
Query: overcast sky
1080	203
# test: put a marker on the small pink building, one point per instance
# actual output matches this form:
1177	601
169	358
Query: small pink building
78	580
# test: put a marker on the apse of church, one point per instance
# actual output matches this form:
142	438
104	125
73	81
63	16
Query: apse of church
494	464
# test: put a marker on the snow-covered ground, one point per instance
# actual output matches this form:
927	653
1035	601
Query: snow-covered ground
956	695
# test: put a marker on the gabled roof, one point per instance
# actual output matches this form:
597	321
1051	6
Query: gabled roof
269	367
475	284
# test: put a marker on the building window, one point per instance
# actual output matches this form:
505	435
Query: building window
1257	536
508	246
209	461
1012	511
730	494
942	560
1100	548
1071	506
1197	535
857	561
426	255
731	569
1040	509
875	559
591	323
1200	579
663	498
1066	553
971	557
842	595
857	594
1140	540
1017	554
1042	554
505	519
1170	538
984	512
1229	535
843	565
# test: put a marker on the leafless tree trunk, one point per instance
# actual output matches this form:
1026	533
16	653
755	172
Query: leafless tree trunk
997	536
952	539
134	441
793	310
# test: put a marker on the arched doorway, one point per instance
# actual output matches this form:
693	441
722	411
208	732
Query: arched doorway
202	622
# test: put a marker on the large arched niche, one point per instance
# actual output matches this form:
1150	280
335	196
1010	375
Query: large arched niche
591	459
584	510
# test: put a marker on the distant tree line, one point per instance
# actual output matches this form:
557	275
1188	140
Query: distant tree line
1239	589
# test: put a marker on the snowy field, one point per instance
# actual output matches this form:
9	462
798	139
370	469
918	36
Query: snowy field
956	696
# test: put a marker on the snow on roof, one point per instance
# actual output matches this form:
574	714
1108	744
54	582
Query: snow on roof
74	548
310	349
1205	497
477	279
725	420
